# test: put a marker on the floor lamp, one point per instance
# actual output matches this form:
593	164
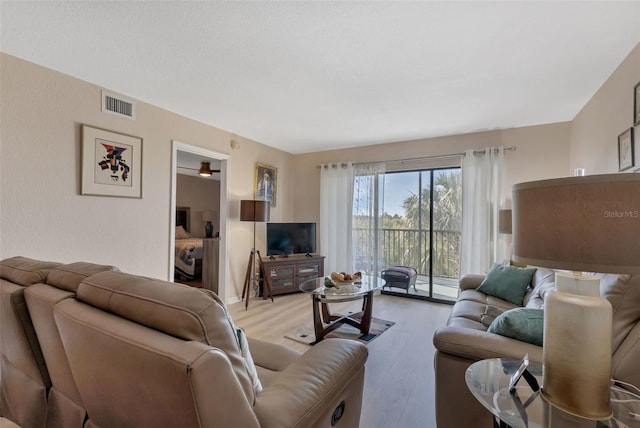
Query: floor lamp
255	211
581	224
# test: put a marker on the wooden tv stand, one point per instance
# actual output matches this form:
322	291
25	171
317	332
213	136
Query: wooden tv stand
285	274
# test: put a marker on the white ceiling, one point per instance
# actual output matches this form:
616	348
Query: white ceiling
307	76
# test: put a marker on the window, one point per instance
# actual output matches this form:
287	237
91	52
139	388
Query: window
410	218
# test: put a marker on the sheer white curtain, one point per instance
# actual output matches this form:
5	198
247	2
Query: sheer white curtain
336	207
482	198
368	207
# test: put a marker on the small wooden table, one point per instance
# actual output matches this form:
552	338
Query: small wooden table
321	296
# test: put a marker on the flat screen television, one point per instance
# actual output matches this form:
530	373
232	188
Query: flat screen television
284	239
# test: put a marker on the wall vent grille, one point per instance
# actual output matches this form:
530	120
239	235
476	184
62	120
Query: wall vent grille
120	106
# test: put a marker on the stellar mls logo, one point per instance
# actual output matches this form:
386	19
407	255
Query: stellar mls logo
621	214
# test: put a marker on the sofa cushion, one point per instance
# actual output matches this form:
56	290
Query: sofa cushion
490	314
484	299
623	292
24	271
179	310
68	277
507	282
469	309
524	324
543	281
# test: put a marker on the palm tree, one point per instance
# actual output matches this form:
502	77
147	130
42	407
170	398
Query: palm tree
405	240
447	220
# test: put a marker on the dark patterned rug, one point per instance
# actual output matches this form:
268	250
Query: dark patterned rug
306	335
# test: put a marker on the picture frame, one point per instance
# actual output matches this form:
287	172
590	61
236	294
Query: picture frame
636	104
183	217
111	163
625	150
266	183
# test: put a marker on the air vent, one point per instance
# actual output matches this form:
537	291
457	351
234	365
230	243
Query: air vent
118	105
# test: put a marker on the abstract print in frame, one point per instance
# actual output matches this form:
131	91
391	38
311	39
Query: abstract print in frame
111	163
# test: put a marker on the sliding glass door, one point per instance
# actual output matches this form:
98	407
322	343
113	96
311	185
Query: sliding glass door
410	218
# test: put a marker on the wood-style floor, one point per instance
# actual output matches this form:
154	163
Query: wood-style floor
399	386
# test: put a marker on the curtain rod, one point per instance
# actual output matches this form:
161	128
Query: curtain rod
451	155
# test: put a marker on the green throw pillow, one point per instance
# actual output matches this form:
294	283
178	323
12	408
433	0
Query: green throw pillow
507	282
524	324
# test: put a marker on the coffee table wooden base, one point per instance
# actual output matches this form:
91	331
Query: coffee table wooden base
321	313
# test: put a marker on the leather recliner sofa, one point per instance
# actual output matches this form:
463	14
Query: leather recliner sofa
64	404
121	350
24	378
465	339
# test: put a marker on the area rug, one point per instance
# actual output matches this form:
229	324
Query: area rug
306	335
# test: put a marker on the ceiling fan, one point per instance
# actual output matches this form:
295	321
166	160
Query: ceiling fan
204	170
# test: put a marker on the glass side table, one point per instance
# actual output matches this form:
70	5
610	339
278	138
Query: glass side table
321	297
488	381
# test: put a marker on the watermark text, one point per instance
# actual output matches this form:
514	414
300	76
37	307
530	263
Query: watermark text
621	214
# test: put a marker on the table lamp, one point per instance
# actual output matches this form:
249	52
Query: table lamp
504	222
592	224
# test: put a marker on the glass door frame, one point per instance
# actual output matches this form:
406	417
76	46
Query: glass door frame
421	172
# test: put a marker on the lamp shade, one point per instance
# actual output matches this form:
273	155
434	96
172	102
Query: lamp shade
207	215
251	210
504	222
588	223
585	223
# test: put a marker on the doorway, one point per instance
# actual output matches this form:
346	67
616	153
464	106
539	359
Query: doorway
186	160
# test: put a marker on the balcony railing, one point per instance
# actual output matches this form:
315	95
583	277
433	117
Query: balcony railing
409	247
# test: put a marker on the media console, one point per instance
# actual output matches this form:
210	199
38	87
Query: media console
286	273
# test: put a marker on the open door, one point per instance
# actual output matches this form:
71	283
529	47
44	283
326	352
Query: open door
198	213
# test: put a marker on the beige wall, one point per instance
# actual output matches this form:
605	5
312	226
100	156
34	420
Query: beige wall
595	130
43	214
200	194
541	152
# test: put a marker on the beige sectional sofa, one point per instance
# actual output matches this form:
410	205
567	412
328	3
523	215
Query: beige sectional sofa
84	345
465	339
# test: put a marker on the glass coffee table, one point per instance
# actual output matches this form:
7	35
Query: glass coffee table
488	381
321	296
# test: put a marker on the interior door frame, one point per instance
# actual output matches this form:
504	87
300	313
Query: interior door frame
224	159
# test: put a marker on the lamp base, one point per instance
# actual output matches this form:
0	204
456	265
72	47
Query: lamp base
250	280
555	417
208	229
577	347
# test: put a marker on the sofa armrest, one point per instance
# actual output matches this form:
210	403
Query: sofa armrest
307	389
271	356
470	281
479	345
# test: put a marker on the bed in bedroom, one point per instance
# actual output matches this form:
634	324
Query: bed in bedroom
188	250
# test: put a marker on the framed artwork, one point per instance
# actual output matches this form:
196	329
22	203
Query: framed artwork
266	183
183	217
111	163
636	104
625	150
